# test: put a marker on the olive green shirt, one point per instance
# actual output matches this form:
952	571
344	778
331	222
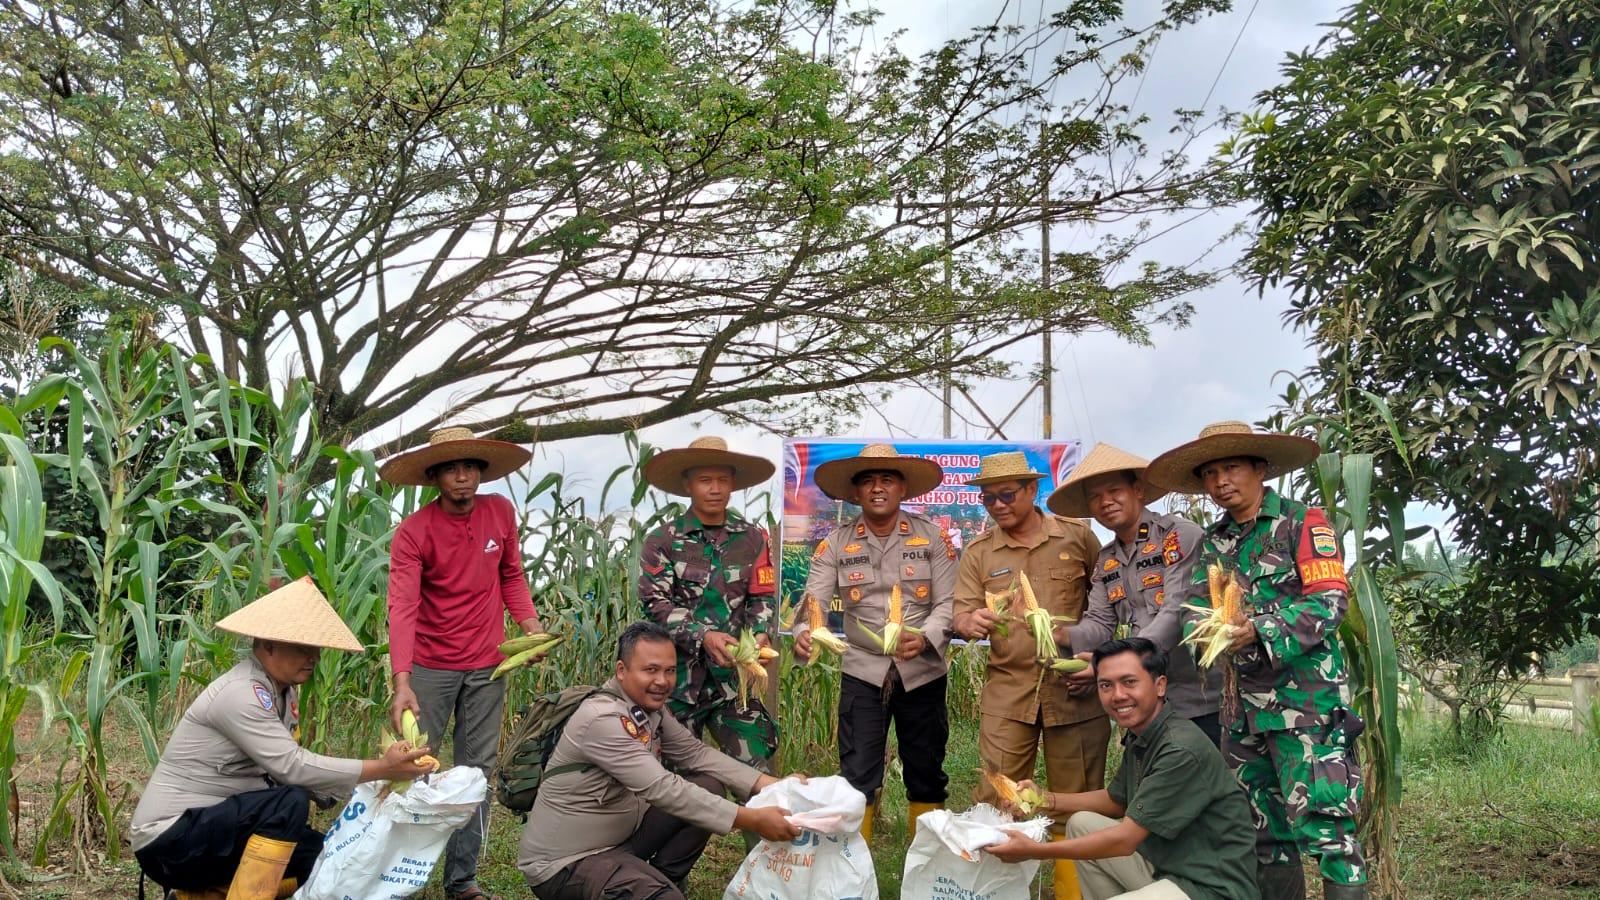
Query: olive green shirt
1174	783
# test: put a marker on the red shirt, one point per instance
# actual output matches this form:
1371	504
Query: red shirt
451	579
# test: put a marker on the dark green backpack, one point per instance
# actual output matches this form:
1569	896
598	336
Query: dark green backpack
521	767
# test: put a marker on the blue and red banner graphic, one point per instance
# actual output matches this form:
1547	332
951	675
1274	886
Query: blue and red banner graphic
808	514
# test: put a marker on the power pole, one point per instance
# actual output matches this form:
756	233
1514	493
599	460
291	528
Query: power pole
1046	371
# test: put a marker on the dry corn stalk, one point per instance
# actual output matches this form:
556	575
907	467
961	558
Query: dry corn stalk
750	659
821	635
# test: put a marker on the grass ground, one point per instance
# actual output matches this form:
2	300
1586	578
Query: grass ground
1518	817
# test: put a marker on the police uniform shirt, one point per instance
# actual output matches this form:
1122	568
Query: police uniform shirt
1144	586
237	736
861	569
583	812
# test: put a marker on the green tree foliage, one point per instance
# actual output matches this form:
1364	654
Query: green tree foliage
579	217
1429	186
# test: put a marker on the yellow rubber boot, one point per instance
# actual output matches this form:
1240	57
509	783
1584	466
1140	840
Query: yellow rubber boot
261	868
866	823
1066	877
286	888
916	809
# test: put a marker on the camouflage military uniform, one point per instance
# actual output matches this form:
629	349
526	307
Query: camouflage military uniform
1292	739
695	578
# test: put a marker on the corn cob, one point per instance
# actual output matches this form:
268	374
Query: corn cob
1039	621
521	656
524	642
1000	604
1026	800
749	659
1063	666
821	636
891	626
414	738
1214	632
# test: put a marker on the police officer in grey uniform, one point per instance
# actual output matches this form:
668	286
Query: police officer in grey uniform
611	820
227	804
1140	579
861	563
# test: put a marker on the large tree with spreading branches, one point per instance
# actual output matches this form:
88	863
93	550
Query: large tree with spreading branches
560	219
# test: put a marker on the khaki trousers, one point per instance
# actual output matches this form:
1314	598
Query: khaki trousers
1074	755
1121	877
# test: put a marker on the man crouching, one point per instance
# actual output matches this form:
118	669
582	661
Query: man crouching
610	820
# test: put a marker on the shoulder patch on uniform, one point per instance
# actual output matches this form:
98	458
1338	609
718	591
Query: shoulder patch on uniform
905	527
861	529
1323	540
918	541
822	547
263	696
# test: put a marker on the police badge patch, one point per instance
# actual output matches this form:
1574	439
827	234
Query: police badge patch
263	696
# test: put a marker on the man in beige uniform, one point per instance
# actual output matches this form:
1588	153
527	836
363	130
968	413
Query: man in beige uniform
225	812
1019	708
610	819
862	562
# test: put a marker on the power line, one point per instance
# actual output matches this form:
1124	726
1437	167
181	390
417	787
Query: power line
1236	38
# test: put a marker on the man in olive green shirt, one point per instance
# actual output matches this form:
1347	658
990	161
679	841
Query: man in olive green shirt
1174	823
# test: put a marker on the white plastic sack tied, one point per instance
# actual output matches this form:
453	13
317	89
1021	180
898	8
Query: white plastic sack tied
386	849
947	862
828	861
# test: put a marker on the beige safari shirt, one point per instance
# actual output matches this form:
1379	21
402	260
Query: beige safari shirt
856	570
1058	568
581	813
237	736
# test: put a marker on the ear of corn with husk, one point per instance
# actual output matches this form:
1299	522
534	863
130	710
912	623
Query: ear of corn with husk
1063	665
412	734
821	635
1040	622
749	659
519	650
888	641
999	603
1214	632
1026	800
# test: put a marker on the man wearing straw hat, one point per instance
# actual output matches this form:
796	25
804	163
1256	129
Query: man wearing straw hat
863	562
1290	732
707	576
1141	577
455	570
1020	707
225	812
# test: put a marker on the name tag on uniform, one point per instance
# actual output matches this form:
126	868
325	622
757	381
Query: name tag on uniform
998	572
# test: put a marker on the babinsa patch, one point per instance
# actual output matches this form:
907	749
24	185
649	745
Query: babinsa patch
1323	540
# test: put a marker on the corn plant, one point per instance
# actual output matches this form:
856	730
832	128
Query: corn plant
22	534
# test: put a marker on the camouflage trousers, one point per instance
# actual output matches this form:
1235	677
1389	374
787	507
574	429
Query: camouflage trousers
1304	786
747	734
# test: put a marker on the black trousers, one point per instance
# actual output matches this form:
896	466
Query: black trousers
1211	724
921	726
202	849
647	866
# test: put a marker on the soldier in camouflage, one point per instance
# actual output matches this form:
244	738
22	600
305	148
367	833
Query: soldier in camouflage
1291	736
707	576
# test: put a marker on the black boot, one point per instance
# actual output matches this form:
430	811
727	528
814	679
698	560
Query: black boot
1281	881
1333	891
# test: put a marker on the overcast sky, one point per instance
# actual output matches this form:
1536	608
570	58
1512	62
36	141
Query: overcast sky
1228	364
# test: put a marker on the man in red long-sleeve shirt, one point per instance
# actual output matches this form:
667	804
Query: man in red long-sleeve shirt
455	570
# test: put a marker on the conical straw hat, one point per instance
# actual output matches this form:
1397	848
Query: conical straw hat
665	470
500	458
835	477
1011	465
296	613
1070	499
1174	470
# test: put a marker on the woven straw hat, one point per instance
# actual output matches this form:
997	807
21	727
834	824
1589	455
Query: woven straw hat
835	477
1174	470
665	470
1009	466
296	613
448	444
1070	499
